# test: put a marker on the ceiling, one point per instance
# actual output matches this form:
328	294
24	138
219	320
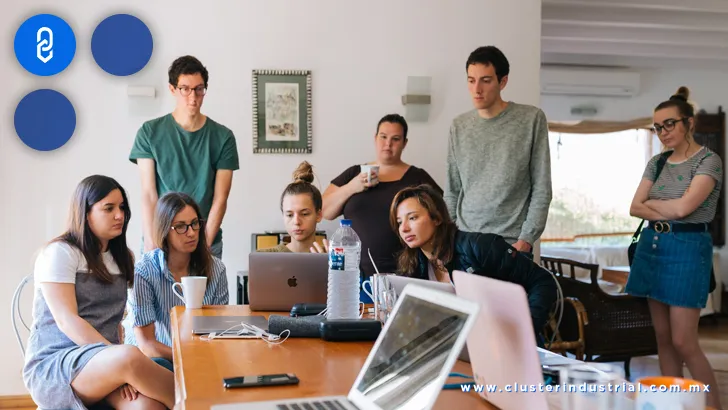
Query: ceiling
636	33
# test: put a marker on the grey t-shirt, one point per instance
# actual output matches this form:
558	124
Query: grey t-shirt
675	179
499	173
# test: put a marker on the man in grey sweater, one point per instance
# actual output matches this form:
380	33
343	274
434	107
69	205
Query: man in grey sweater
498	160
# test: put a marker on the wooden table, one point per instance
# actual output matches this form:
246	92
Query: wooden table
324	368
616	274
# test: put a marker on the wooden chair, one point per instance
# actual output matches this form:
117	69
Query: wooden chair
616	327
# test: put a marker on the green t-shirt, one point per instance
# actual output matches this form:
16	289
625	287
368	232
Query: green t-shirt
187	161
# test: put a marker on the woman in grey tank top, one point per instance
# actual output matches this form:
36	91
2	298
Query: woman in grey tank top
74	359
673	259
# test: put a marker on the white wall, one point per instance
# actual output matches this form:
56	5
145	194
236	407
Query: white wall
708	88
360	53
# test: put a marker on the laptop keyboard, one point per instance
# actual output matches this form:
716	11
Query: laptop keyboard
313	405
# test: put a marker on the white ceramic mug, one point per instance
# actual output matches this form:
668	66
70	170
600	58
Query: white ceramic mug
670	393
193	289
369	169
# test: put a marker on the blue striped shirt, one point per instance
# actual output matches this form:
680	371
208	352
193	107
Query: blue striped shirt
151	299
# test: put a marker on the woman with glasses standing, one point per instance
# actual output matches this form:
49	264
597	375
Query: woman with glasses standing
180	232
674	256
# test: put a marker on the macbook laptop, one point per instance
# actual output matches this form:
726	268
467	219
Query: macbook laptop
409	362
502	344
279	280
202	325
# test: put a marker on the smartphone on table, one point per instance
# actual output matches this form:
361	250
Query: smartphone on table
260	380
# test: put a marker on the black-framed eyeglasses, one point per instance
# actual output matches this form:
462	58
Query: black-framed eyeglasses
668	125
200	90
181	228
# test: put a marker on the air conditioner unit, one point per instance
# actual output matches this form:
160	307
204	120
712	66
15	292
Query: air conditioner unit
593	82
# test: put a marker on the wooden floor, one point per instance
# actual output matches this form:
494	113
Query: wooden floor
713	339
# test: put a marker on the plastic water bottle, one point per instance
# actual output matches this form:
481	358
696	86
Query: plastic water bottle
342	300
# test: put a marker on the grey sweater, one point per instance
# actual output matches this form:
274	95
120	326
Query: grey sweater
499	173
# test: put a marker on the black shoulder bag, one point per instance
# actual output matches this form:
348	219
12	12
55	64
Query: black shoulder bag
635	238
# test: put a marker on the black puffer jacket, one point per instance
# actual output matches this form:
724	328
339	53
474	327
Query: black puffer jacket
490	255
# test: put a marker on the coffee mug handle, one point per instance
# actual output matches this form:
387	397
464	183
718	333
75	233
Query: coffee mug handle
174	290
369	292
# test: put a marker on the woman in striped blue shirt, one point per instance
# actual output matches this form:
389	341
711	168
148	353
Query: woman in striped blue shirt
180	231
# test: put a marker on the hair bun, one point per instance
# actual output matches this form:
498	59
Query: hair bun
304	173
682	94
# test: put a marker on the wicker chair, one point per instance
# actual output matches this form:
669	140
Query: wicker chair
615	327
573	318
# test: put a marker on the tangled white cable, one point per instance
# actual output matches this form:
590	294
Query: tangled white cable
248	331
559	307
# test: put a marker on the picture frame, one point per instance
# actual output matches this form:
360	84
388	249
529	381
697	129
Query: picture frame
282	112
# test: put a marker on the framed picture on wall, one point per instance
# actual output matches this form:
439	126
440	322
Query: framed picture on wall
282	112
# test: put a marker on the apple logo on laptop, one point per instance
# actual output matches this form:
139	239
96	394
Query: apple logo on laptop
292	282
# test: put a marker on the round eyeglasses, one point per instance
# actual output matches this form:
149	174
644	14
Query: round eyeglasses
668	125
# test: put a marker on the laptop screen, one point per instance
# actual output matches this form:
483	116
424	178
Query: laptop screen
403	371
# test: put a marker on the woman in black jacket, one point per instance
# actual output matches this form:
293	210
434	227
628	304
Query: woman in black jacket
435	248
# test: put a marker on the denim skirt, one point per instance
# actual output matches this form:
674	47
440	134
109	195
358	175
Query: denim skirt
672	268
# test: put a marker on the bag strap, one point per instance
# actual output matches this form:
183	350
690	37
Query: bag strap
658	169
661	163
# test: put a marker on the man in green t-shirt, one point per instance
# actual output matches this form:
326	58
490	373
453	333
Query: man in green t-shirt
186	151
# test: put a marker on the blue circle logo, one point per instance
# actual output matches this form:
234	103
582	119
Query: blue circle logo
45	44
122	45
45	120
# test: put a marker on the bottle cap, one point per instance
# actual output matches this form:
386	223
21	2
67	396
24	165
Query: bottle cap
345	222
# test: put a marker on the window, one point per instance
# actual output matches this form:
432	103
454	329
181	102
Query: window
594	178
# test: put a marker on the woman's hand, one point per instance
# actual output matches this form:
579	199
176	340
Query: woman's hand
360	182
317	248
128	392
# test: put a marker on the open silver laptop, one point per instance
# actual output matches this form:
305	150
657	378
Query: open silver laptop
202	325
400	282
279	280
410	360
